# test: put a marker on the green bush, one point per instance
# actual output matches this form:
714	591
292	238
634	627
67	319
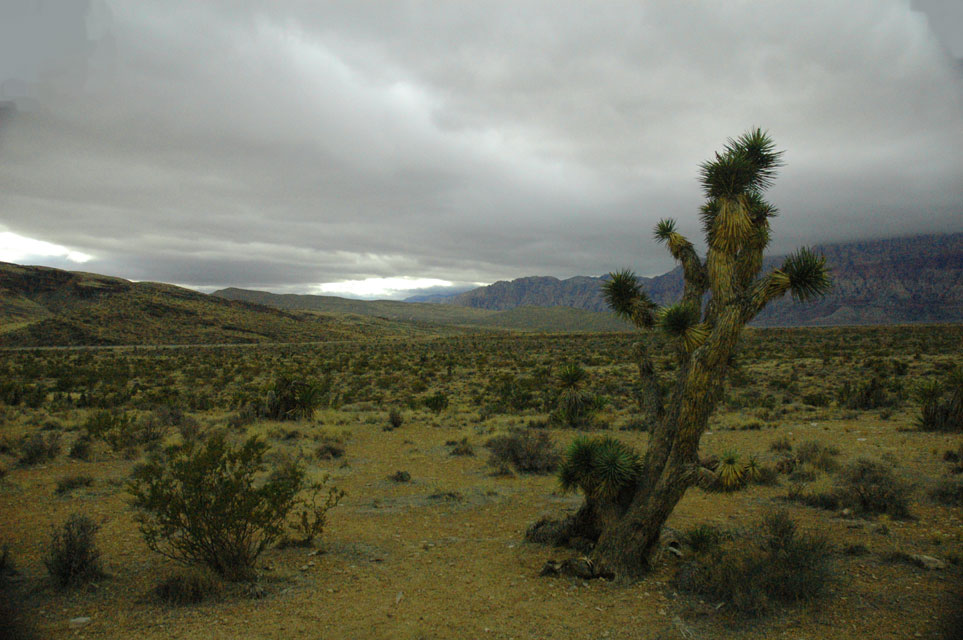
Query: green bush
817	454
69	483
436	402
870	486
776	564
703	537
72	557
395	420
80	449
526	450
39	448
290	399
942	405
948	492
200	503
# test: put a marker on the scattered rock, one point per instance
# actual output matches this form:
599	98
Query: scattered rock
582	568
76	623
928	562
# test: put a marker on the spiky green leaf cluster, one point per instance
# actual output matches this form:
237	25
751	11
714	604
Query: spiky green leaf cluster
682	321
747	164
625	296
599	467
664	229
808	275
571	376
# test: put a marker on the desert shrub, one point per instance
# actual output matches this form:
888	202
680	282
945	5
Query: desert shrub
868	395
870	486
198	503
187	587
526	450
121	431
13	625
290	399
69	483
80	449
329	449
776	564
703	537
942	405
948	492
72	557
816	399
395	420
781	444
817	454
461	447
436	402
311	513
39	448
575	408
601	468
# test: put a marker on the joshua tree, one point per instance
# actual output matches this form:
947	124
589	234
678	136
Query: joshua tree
722	293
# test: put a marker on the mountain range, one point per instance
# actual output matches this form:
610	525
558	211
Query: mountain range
899	280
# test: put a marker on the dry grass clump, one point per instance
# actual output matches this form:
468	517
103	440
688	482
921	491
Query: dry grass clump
188	587
73	558
39	448
525	450
775	564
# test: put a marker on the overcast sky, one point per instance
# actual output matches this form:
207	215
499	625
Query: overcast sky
284	145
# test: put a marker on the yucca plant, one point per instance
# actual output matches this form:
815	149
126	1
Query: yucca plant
723	292
605	470
731	472
574	408
938	413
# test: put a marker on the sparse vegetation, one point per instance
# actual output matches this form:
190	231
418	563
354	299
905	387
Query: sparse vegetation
72	556
776	564
187	587
447	517
524	450
199	504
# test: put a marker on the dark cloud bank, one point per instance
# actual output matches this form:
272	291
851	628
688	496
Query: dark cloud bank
215	144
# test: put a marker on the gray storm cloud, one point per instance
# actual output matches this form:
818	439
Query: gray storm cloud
214	144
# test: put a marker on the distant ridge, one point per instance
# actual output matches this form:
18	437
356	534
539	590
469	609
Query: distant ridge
915	279
42	306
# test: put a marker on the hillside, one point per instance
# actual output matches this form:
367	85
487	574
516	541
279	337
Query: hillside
918	279
41	306
528	318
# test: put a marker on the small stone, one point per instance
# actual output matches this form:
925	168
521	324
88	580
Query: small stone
78	622
928	562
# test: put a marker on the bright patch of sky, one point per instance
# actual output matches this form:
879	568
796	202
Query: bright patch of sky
17	248
378	287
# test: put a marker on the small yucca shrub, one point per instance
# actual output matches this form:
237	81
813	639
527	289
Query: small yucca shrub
601	468
942	405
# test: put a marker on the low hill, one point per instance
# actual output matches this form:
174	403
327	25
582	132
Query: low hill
41	306
528	318
918	279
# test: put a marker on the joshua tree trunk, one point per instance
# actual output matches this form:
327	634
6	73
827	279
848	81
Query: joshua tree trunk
705	330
